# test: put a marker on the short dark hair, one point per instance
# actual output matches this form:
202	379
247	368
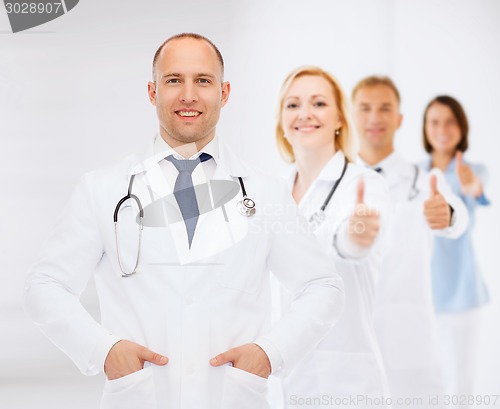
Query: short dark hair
374	80
458	113
193	36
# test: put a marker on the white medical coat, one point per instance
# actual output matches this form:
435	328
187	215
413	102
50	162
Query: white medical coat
347	363
404	317
183	303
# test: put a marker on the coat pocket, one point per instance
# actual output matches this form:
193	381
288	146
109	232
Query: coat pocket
134	391
244	390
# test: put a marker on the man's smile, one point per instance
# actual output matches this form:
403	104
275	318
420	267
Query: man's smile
188	113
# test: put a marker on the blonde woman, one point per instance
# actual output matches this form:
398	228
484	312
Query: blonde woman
345	204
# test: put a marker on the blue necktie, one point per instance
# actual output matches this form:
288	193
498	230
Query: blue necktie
184	191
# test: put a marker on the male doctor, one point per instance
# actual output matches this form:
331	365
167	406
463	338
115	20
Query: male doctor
422	205
184	284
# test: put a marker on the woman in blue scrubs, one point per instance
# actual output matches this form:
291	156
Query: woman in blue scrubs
458	287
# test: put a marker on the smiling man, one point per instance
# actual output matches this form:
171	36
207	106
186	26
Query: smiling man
423	205
188	96
190	325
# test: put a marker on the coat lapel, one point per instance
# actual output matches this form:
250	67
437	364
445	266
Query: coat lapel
223	226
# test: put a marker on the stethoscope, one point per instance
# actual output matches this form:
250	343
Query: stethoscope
246	207
319	217
414	190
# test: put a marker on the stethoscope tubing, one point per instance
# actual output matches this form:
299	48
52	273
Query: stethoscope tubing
319	217
334	187
414	191
246	207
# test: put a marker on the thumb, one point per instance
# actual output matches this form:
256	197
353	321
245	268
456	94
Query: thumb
360	196
224	358
153	357
433	184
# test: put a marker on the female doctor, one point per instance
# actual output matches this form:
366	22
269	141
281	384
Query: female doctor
345	204
459	290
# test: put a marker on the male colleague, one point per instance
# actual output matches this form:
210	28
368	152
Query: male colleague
183	285
423	205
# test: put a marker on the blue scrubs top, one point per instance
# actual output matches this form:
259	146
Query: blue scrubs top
457	284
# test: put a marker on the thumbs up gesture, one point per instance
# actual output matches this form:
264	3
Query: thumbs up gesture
364	224
436	209
469	182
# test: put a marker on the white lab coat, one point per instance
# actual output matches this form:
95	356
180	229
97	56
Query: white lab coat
404	316
347	364
188	307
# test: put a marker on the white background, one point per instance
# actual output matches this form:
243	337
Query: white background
73	98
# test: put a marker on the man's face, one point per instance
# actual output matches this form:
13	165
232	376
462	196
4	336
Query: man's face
376	116
188	91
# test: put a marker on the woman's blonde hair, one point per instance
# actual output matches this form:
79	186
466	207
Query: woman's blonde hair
345	141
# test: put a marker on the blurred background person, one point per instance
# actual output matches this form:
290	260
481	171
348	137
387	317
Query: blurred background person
458	286
345	204
422	205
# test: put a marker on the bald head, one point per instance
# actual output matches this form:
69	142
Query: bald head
192	36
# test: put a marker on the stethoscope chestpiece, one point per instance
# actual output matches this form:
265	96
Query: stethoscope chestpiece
246	207
317	219
414	192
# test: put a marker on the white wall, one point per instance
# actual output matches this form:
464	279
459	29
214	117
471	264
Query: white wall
73	98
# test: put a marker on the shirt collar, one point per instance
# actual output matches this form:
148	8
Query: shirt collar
387	164
331	171
427	163
391	165
333	168
162	149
